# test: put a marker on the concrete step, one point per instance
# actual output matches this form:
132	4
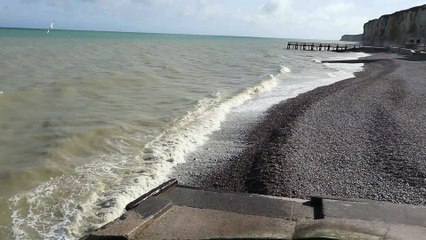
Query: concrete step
180	212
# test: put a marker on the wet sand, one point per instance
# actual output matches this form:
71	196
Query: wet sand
363	137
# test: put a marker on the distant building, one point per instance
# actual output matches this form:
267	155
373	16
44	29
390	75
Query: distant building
415	42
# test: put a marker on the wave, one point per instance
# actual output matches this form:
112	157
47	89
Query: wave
67	206
284	69
344	70
192	130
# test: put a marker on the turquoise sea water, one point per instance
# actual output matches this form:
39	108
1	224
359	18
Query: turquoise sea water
91	120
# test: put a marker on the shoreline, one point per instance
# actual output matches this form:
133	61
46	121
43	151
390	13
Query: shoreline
314	144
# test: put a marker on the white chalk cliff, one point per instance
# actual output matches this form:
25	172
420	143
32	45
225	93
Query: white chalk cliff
398	29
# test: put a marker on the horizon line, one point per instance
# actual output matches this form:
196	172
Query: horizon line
164	33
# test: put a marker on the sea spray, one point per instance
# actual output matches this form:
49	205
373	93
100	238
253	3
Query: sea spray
82	200
284	69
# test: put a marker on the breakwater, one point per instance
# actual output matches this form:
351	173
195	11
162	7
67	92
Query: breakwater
322	46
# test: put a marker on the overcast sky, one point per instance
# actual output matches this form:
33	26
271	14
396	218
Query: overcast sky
314	19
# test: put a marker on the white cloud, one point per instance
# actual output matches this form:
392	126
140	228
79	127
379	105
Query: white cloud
288	18
285	18
156	2
275	6
210	10
338	7
270	7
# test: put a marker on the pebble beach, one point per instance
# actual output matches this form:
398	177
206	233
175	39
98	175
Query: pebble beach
362	137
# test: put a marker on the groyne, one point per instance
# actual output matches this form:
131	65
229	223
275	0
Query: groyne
321	46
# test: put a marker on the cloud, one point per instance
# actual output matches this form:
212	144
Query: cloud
275	6
112	2
338	7
156	2
285	18
210	10
270	7
271	13
62	4
201	9
140	9
312	19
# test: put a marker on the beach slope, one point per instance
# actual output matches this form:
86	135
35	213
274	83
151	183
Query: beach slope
363	137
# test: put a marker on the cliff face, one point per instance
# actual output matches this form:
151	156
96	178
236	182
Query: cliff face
352	38
397	28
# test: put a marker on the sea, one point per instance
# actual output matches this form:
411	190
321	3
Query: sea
90	120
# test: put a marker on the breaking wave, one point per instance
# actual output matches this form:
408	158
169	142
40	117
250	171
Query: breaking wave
68	206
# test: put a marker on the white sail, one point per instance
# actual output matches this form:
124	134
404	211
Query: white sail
51	26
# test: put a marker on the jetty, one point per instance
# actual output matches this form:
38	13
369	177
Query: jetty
321	46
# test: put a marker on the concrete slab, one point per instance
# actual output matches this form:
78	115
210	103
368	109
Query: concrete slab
340	228
242	203
374	211
182	222
405	232
178	212
132	222
343	228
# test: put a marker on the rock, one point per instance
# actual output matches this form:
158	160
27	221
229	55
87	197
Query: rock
352	38
397	29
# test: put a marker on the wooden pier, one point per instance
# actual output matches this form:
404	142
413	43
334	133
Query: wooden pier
312	46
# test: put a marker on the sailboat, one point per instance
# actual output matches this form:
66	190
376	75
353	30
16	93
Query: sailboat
51	26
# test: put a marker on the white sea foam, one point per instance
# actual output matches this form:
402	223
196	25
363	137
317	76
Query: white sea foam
66	206
284	69
346	70
350	56
192	130
298	83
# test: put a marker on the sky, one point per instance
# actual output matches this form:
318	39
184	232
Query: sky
309	19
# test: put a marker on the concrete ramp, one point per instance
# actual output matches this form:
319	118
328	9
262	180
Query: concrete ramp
172	211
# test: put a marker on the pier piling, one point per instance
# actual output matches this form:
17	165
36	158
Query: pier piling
320	46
